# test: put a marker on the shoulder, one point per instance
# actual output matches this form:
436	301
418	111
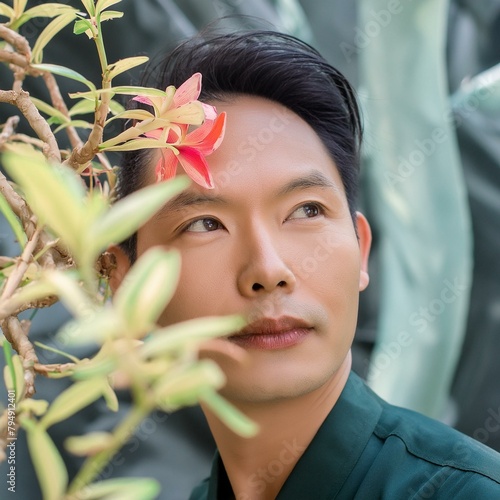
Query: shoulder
439	454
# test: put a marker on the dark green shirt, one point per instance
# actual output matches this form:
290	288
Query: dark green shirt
367	449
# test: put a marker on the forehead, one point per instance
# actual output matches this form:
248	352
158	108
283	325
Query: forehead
266	147
264	139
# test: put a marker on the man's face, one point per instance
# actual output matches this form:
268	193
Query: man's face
275	242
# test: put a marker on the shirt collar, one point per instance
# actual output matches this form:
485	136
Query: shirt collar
332	454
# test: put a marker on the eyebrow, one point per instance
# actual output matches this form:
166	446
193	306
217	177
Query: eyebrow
188	199
314	179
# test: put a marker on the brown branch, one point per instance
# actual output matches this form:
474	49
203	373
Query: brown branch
16	333
28	140
22	266
13	58
12	307
81	156
48	370
23	102
8	129
59	104
17	41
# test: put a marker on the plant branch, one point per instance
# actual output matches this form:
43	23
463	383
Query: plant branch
23	102
16	333
22	266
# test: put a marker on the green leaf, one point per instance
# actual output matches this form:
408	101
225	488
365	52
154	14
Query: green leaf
98	328
13	221
72	358
176	389
52	29
49	110
127	215
230	415
124	65
188	333
105	4
116	108
75	124
147	288
110	15
71	294
43	10
83	107
9	366
68	73
135	144
82	26
15	383
59	204
89	444
72	400
110	397
19	6
49	466
121	489
89	6
6	11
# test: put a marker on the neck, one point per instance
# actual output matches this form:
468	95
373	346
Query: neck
258	467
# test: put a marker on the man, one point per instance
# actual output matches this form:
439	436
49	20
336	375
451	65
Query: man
278	239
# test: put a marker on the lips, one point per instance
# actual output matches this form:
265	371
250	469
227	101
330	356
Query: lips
269	333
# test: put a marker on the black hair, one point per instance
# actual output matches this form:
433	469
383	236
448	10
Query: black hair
273	66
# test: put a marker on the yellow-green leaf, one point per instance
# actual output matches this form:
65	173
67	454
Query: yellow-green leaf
17	384
124	65
19	6
89	444
105	4
110	397
148	287
6	11
36	406
59	204
229	414
68	73
184	387
89	6
49	466
13	221
72	400
127	215
43	10
188	333
110	14
52	29
49	110
82	26
83	107
121	489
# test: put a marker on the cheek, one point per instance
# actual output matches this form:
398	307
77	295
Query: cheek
199	291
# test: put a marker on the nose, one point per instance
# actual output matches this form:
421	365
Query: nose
264	268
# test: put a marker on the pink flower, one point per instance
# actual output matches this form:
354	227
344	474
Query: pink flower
178	110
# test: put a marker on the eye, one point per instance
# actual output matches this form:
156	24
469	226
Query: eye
203	225
306	211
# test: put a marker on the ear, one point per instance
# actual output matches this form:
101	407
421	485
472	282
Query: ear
122	267
365	241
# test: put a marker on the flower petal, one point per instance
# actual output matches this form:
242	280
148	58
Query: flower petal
143	99
208	137
167	165
188	91
210	111
195	165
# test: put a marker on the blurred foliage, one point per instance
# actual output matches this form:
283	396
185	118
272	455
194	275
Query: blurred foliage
59	205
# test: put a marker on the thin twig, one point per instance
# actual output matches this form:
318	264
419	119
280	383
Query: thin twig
40	126
23	263
16	333
8	129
